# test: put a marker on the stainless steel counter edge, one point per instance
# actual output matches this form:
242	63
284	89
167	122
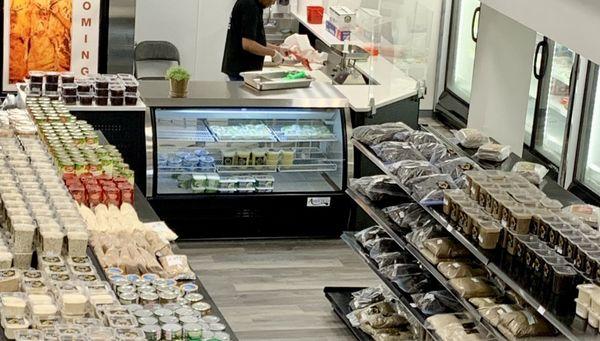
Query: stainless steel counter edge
237	94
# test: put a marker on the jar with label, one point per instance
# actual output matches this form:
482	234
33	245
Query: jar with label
288	157
259	157
172	331
152	332
229	158
192	331
273	157
242	158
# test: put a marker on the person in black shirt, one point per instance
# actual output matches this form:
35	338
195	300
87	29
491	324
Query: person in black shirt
246	45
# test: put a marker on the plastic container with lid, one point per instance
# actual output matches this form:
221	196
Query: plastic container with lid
13	324
545	225
52	77
580	258
594	320
100	333
6	259
117	101
67	78
22	260
564	279
77	242
519	221
489	234
13	304
36	76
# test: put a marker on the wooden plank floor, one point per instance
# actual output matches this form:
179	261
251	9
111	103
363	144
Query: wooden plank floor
273	290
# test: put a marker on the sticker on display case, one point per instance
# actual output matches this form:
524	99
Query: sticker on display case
318	202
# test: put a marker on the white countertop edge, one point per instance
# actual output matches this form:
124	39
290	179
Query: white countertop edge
140	106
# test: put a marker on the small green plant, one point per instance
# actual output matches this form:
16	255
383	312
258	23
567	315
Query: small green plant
178	73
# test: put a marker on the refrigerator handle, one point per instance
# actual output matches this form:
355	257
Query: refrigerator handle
475	17
542	47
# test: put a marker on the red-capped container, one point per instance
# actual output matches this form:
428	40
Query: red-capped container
77	191
94	195
104	176
120	179
127	192
314	14
112	196
86	176
72	181
107	183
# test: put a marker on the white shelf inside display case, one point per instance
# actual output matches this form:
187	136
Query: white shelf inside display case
195	132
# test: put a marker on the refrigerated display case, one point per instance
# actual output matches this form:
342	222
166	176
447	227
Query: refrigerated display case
239	163
453	104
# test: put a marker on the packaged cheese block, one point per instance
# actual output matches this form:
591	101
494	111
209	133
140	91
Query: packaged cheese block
52	241
42	310
22	260
13	304
40	299
77	243
23	237
13	324
73	303
10	280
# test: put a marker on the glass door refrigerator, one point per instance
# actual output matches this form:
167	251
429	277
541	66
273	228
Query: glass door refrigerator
453	104
549	111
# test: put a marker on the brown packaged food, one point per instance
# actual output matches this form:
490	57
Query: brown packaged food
449	196
445	248
430	256
489	234
381	315
524	323
483	193
491	200
506	208
494	313
452	270
498	203
536	219
469	287
474	179
458	206
471	216
520	218
481	219
545	226
483	302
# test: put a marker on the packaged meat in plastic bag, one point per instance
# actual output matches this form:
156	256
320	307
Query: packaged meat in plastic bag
418	236
589	214
369	234
471	138
396	270
493	152
432	151
493	313
382	245
364	298
409	169
377	188
412	283
533	172
456	169
429	190
393	151
445	248
459	269
418	137
177	267
524	323
374	134
391	258
436	302
405	214
469	287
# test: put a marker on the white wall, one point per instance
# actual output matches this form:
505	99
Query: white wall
197	27
573	23
501	78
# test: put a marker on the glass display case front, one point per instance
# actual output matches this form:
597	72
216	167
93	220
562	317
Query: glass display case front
249	150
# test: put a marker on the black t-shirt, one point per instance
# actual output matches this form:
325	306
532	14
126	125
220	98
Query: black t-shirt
246	22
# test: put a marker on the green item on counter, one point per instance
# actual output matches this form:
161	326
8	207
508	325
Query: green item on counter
295	75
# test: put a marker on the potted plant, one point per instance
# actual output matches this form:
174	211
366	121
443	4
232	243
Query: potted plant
179	77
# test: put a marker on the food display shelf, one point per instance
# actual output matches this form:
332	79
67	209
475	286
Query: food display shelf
564	327
410	308
381	219
340	298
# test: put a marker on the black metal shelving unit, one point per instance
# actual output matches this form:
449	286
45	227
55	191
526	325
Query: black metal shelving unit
340	298
565	327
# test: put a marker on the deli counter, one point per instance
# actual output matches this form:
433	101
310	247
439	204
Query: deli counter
231	162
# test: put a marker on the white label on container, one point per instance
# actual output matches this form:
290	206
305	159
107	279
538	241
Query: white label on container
318	202
541	310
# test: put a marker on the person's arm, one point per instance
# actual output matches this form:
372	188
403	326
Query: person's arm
278	48
253	47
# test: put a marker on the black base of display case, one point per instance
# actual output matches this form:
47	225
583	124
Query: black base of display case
340	298
195	217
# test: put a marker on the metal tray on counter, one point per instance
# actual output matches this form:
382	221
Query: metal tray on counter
274	80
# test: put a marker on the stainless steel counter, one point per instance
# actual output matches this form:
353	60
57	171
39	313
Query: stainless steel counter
237	94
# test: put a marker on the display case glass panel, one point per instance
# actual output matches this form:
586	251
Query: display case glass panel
461	51
554	106
588	171
249	150
533	92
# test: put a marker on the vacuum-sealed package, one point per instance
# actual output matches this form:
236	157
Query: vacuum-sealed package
406	215
429	190
369	234
394	151
380	315
452	270
396	270
493	313
410	169
436	302
469	287
456	168
471	138
524	323
412	283
418	237
483	302
364	298
432	151
533	172
377	188
445	248
493	152
374	134
382	245
418	137
391	258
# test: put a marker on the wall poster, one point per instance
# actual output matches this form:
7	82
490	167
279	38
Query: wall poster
49	35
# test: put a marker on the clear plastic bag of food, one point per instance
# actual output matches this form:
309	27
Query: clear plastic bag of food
456	168
432	151
471	138
524	323
177	267
382	245
377	187
418	236
369	234
533	172
429	190
412	283
436	302
418	137
405	215
401	269
589	214
457	269
469	287
394	151
410	169
374	134
364	298
493	152
445	247
391	258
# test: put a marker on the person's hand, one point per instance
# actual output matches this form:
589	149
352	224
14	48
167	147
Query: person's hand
283	50
278	58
